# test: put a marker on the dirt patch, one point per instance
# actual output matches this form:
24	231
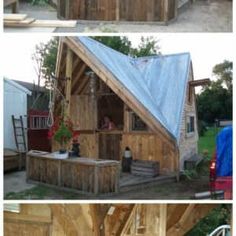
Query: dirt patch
175	191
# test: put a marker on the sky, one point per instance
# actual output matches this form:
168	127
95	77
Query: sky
206	51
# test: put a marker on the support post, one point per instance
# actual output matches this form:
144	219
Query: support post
69	66
162	222
117	10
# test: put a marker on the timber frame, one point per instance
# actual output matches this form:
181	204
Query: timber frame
105	219
74	63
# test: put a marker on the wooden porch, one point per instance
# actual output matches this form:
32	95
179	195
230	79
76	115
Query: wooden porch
129	181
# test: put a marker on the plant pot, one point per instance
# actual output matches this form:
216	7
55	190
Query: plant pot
60	155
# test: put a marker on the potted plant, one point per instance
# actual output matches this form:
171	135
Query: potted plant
62	132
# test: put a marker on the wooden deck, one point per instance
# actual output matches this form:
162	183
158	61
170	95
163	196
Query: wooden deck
129	181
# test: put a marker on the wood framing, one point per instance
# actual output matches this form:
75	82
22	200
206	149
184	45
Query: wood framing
104	219
93	98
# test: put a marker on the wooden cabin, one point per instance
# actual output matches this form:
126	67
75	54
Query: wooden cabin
150	100
102	219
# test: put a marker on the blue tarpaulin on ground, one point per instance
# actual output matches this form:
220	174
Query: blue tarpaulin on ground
224	152
158	82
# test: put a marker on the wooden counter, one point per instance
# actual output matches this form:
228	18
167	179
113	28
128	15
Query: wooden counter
81	174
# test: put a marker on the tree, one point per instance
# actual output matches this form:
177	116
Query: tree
224	74
45	56
218	216
215	102
47	53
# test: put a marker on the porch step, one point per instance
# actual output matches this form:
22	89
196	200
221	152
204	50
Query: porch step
131	182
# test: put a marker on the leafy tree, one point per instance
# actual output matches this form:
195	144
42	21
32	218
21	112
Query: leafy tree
46	54
218	216
224	74
215	102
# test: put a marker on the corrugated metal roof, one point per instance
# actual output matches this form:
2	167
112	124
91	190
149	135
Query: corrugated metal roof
158	82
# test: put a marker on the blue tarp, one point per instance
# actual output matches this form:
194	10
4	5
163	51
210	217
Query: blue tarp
224	152
159	82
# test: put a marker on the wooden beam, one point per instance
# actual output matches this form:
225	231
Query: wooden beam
77	80
129	220
94	212
27	218
163	220
192	214
200	82
59	58
14	17
83	83
104	74
69	66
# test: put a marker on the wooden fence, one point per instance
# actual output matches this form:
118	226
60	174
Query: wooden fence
118	10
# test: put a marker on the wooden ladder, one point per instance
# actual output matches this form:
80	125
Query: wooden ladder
19	134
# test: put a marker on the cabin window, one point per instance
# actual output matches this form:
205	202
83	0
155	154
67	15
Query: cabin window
137	123
38	122
190	124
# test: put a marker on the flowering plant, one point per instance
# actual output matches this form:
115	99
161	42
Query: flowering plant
62	132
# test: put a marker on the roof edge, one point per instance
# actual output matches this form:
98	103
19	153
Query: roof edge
18	86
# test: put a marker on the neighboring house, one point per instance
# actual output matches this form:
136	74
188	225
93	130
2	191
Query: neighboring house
37	116
39	98
151	100
15	103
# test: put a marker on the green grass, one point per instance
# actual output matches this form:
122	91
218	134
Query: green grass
208	141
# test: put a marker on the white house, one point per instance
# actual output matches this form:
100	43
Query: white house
15	103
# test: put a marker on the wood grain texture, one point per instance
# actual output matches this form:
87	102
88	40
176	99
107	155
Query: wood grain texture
116	10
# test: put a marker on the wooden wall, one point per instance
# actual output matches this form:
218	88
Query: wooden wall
188	145
151	147
32	220
49	220
82	112
125	10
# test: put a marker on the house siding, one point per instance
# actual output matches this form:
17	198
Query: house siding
188	145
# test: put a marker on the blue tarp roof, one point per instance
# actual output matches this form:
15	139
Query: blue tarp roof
224	152
159	82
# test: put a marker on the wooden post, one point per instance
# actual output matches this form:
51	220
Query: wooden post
117	10
162	220
96	182
165	10
27	167
69	66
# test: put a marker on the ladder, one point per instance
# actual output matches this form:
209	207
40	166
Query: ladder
19	134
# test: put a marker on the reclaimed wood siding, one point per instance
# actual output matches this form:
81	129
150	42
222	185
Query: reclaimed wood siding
129	10
188	144
43	170
109	146
82	110
89	145
151	147
68	174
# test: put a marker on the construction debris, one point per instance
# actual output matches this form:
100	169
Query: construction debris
22	20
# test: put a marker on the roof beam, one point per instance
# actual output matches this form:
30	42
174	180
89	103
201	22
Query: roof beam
77	80
192	214
200	82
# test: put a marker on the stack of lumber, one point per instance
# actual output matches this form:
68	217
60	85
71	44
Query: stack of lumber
11	160
145	168
22	20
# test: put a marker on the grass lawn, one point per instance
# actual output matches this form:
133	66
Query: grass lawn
208	141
